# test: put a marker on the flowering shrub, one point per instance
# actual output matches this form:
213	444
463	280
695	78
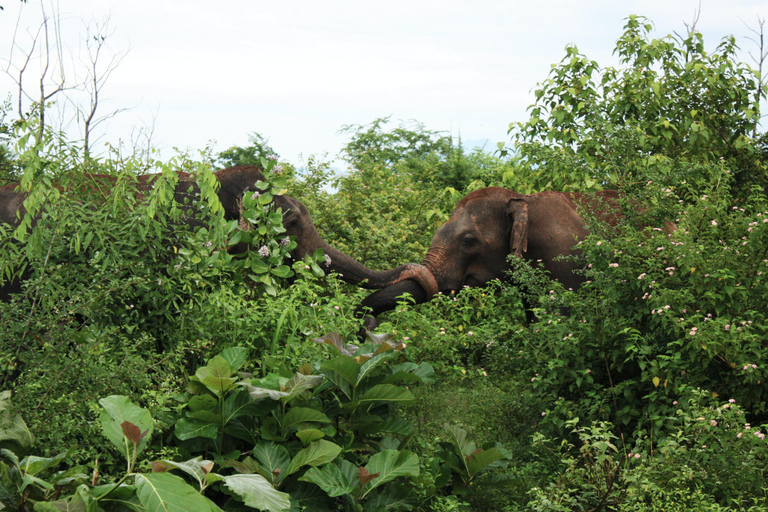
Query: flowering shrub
658	315
711	459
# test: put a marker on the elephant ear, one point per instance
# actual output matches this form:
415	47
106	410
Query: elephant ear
517	212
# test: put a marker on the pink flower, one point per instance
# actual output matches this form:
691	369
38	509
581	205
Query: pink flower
727	327
731	401
674	403
738	435
714	223
544	414
614	265
713	423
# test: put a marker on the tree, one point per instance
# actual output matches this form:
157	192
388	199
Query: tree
670	98
252	154
428	156
55	78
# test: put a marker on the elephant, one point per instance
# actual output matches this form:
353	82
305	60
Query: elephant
489	224
234	182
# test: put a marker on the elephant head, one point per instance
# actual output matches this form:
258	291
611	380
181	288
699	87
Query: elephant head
471	248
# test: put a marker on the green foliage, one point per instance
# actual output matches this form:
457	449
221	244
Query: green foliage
658	316
638	389
297	425
712	460
671	98
253	154
14	433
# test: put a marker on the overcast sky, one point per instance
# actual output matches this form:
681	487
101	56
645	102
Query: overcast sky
297	71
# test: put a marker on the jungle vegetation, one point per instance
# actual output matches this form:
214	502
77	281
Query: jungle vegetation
144	367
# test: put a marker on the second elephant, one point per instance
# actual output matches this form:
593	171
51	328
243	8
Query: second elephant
471	248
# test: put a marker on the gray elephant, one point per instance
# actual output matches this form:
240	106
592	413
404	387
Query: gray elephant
471	248
234	182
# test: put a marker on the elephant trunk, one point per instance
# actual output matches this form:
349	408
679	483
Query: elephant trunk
354	272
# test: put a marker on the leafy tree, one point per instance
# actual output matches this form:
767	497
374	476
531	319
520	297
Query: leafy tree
429	156
371	146
670	97
252	154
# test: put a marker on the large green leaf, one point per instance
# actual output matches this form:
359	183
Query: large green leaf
124	495
300	383
32	464
119	409
393	425
343	366
204	402
242	404
309	434
392	497
236	357
390	464
259	392
423	373
189	428
164	492
245	428
298	415
14	433
335	480
274	460
481	460
197	468
386	393
371	364
216	375
73	503
316	454
458	437
257	492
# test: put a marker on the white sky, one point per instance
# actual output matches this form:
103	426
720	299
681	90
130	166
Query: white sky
296	71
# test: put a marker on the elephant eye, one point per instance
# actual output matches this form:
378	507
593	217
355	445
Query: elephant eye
468	242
